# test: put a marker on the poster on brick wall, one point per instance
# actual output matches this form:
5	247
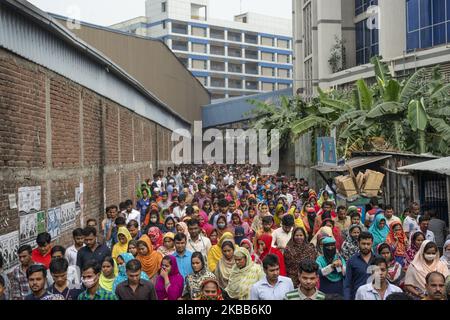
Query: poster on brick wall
29	200
9	244
68	216
41	225
28	228
54	222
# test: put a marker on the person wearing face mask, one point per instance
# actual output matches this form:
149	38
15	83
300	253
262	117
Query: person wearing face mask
446	254
222	226
210	290
90	279
331	268
425	261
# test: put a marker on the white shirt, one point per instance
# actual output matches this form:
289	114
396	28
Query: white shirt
430	236
280	238
203	245
410	225
367	292
134	215
71	255
392	220
263	290
178	212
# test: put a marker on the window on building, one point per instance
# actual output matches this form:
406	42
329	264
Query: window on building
234	67
251	38
266	41
179	45
361	6
198	32
217	34
217	82
266	71
366	43
164	24
267	86
199	64
217	66
234	83
251	68
283	73
199	47
234	36
163	7
282	86
307	27
198	12
428	23
235	52
251	54
267	56
179	28
281	43
251	85
283	58
217	50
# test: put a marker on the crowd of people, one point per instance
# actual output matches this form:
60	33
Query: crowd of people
224	232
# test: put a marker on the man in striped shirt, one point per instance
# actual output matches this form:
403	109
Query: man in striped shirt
308	275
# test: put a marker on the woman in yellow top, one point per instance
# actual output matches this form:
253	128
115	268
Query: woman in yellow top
124	236
215	253
296	213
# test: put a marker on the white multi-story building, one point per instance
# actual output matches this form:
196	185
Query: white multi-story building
408	34
249	55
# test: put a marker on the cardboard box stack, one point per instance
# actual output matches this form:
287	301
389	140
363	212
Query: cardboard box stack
367	183
345	186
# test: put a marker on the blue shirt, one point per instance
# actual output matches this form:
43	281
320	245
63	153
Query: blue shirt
142	206
356	275
184	263
263	290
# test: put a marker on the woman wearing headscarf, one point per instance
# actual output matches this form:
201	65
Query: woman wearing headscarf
262	211
296	213
169	283
122	260
446	254
379	230
239	234
226	263
395	272
212	235
297	249
331	268
210	290
182	228
247	244
244	274
305	208
309	221
168	246
156	237
417	238
325	196
323	232
149	258
264	248
236	221
222	226
108	274
193	281
215	253
425	261
350	245
398	241
279	213
337	235
124	236
132	247
169	225
153	221
324	214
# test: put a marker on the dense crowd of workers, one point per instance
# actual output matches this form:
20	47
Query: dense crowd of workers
226	232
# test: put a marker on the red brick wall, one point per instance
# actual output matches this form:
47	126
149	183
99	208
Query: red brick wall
91	139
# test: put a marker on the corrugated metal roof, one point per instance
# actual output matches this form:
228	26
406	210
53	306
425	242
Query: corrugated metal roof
233	110
56	48
353	163
441	166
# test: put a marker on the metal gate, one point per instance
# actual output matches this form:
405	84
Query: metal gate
433	194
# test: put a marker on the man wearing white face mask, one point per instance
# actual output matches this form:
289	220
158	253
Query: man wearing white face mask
90	279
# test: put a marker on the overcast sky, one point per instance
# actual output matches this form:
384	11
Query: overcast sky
108	12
